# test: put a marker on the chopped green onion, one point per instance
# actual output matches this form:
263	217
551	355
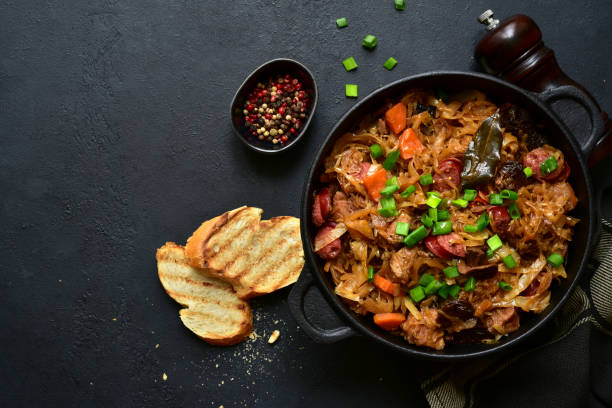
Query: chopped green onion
432	193
443	214
341	22
376	151
470	284
426	179
509	194
470	228
433	214
391	159
490	253
469	194
388	207
433	201
390	63
509	261
369	41
443	291
402	228
505	286
494	243
370	273
495	199
442	227
426	279
349	64
408	191
454	291
460	202
433	287
417	294
555	259
451	272
351	90
392	182
415	236
548	166
400	4
528	172
426	220
389	190
483	221
514	211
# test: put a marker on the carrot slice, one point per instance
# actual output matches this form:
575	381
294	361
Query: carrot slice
374	183
387	286
409	144
389	321
396	118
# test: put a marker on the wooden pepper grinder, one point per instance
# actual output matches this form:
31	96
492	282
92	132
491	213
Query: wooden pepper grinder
513	49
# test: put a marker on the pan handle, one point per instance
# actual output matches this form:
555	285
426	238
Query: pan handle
597	124
296	305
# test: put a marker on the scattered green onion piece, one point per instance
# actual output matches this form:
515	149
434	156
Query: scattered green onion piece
390	63
505	286
494	243
432	193
509	194
415	236
408	191
426	179
443	292
370	273
528	172
426	220
442	227
392	182
495	199
443	215
341	22
514	211
509	261
490	253
417	294
426	279
433	201
391	159
548	166
400	4
402	228
470	228
460	202
388	190
433	214
369	41
351	90
454	291
555	259
433	287
469	194
376	151
451	271
483	221
350	64
388	207
470	284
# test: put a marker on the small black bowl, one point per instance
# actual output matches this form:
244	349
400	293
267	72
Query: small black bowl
271	68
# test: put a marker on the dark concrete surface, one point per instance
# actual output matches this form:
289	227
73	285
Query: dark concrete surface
114	138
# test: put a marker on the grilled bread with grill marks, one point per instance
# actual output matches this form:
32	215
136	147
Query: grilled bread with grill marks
213	310
256	257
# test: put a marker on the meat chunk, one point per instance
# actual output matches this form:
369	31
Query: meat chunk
425	332
456	315
448	175
390	234
402	265
342	207
503	320
500	218
321	206
565	192
536	157
475	255
480	271
510	176
331	250
452	243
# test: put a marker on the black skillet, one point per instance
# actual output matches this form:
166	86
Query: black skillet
586	231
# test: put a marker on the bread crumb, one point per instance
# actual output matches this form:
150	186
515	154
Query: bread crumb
253	335
217	365
273	337
59	280
164	377
114	319
157	345
276	322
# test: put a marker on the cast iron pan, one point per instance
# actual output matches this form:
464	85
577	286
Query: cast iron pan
586	231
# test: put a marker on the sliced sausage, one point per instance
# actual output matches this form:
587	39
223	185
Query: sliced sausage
510	176
500	218
331	250
364	170
537	156
452	243
475	256
448	175
321	207
434	246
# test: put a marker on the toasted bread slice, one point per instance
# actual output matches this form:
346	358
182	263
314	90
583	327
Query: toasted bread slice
213	310
256	257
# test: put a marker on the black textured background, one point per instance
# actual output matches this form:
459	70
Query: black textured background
114	138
